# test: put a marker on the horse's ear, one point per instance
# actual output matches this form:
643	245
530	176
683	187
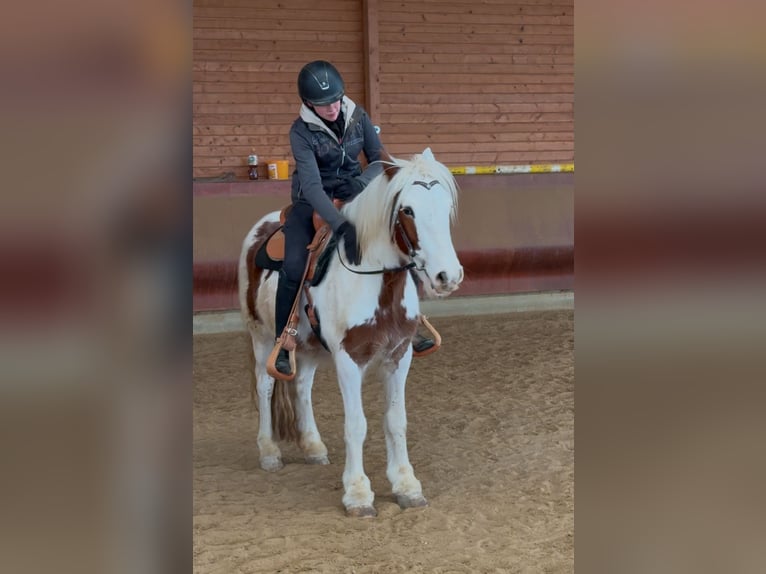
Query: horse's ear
391	169
428	154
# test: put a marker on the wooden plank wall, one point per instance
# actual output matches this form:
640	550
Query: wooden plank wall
246	59
481	82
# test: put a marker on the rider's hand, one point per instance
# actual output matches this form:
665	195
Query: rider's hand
347	232
348	189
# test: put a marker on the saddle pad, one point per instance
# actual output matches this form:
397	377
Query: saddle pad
275	245
270	256
327	247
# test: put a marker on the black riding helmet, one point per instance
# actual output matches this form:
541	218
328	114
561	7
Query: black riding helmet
320	84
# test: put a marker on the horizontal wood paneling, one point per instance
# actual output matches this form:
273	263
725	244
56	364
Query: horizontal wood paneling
465	129
467	10
543	15
289	16
487	82
503	47
247	56
483	82
279	7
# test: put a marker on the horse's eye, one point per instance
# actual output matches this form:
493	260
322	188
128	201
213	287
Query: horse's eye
408	211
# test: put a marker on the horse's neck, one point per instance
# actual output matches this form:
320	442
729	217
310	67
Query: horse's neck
380	253
378	248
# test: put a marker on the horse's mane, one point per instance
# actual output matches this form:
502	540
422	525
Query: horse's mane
371	209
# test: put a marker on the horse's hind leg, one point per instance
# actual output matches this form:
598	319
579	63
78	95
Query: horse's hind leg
270	455
404	485
314	450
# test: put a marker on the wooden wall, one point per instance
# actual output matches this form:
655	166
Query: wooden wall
481	82
488	82
246	59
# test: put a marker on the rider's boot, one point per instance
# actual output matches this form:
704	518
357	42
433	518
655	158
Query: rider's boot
282	364
286	293
421	343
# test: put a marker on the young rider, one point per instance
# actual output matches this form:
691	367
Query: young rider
326	140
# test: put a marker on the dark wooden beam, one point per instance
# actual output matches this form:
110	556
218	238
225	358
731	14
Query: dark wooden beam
371	59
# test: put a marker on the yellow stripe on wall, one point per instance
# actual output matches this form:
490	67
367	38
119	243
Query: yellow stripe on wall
487	169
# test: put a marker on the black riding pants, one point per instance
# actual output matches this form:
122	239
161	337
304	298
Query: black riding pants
299	231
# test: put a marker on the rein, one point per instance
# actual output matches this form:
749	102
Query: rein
405	267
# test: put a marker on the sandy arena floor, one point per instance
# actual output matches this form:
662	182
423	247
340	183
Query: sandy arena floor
491	438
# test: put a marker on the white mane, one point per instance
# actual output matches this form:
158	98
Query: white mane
371	210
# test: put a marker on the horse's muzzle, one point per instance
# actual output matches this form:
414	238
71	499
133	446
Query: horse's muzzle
444	284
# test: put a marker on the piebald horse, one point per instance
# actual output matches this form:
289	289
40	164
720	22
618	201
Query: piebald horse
368	315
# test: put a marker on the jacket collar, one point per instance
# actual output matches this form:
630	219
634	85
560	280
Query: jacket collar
347	106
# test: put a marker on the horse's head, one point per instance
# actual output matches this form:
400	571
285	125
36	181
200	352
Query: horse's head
423	206
404	215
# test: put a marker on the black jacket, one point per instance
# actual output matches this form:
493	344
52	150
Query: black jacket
322	161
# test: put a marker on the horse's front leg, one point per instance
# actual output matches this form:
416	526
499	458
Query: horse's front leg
404	485
358	495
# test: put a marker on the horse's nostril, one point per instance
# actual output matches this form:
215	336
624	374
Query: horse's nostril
442	277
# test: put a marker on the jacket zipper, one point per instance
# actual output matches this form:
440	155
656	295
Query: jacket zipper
342	157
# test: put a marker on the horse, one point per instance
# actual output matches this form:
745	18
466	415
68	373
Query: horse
368	315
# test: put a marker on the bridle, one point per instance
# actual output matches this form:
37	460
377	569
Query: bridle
398	235
402	234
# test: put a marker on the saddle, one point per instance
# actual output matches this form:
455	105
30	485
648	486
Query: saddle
272	253
271	256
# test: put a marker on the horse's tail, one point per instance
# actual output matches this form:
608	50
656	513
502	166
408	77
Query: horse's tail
284	419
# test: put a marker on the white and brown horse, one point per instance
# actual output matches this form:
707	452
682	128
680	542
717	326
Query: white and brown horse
368	316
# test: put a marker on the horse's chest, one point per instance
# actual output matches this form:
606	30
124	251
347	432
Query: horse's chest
387	335
388	332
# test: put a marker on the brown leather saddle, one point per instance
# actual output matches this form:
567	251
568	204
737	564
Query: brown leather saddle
275	244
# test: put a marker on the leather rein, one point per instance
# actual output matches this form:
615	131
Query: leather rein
398	233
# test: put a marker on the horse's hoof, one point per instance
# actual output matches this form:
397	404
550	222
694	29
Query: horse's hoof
361	512
271	463
411	501
317	460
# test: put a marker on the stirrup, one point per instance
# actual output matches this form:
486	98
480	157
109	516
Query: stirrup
282	363
436	337
271	367
421	344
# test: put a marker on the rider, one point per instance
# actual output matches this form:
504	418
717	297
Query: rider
326	140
